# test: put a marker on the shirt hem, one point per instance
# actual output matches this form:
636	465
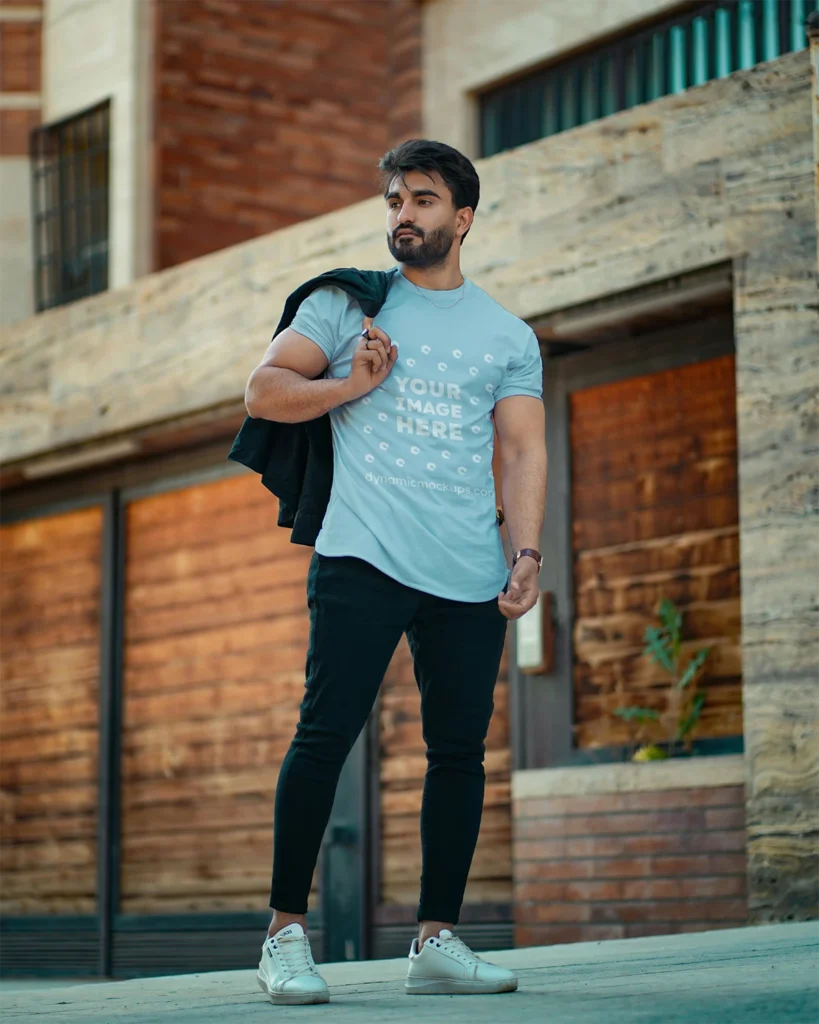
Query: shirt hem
414	585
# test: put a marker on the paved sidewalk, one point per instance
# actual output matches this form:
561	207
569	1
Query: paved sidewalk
765	975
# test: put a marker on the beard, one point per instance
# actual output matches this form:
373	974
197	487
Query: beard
431	251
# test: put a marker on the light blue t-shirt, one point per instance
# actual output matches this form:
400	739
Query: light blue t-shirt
413	492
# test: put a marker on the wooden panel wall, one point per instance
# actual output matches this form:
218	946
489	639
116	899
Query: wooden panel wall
215	638
49	664
403	764
654	498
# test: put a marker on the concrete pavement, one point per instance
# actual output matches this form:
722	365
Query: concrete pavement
763	975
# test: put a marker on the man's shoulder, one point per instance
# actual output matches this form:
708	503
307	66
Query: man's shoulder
498	315
347	286
327	299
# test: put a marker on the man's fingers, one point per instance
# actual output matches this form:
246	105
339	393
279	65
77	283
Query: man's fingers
514	609
378	348
376	332
376	361
374	350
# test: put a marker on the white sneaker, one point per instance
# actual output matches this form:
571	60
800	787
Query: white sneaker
447	966
287	971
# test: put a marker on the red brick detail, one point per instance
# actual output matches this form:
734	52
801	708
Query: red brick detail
271	113
15	127
666	800
20	56
645	863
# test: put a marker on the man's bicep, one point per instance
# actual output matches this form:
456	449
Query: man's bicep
293	351
520	421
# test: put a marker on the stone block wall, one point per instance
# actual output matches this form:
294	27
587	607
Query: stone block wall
271	113
627	860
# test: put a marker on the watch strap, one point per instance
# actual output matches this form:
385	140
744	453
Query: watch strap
532	554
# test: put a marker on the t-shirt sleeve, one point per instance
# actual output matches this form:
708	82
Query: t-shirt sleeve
524	374
319	319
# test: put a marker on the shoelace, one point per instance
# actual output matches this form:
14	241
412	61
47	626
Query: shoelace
296	956
459	948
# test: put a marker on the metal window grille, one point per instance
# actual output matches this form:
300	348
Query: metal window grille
707	42
69	170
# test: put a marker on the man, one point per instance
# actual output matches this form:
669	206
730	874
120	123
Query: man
409	544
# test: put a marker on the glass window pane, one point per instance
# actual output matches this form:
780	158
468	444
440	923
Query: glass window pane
699	42
798	16
70	207
722	26
608	85
589	98
747	34
657	67
678	55
551	106
770	29
635	94
569	99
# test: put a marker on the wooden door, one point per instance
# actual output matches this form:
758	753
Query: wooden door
49	736
215	639
654	515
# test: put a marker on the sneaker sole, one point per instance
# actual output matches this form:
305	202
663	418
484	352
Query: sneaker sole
292	998
452	987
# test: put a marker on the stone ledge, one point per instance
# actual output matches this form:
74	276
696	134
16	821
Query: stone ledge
677	773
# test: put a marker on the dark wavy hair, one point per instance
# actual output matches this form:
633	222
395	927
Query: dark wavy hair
455	169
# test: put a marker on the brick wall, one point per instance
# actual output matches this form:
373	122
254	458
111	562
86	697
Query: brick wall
617	865
269	112
20	56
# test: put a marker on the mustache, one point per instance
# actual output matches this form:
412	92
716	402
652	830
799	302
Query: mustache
406	227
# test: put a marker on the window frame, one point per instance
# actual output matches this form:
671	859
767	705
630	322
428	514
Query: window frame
70	210
770	27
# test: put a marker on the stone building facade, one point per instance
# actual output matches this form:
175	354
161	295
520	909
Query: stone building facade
671	245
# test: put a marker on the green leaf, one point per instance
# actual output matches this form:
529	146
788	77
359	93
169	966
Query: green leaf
670	617
635	714
657	647
693	667
691	719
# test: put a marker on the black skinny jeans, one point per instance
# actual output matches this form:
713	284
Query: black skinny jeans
357	617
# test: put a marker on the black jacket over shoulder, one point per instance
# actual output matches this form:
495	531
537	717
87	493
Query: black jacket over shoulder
296	459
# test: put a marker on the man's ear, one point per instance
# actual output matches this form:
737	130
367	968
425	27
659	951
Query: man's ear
463	220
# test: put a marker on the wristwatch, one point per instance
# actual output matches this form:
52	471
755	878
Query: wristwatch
531	553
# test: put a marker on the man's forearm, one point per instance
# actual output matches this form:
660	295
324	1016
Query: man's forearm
285	396
523	483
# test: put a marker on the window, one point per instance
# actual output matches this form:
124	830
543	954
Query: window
705	43
69	167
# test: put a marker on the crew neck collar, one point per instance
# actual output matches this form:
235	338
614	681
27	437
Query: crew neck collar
443	292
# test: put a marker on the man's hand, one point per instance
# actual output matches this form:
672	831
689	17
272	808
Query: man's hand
523	589
371	365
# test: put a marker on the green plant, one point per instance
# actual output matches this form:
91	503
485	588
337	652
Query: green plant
663	644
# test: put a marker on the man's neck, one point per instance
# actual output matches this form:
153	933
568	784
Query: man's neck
443	278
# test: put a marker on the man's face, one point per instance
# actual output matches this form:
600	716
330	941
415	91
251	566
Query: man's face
422	222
